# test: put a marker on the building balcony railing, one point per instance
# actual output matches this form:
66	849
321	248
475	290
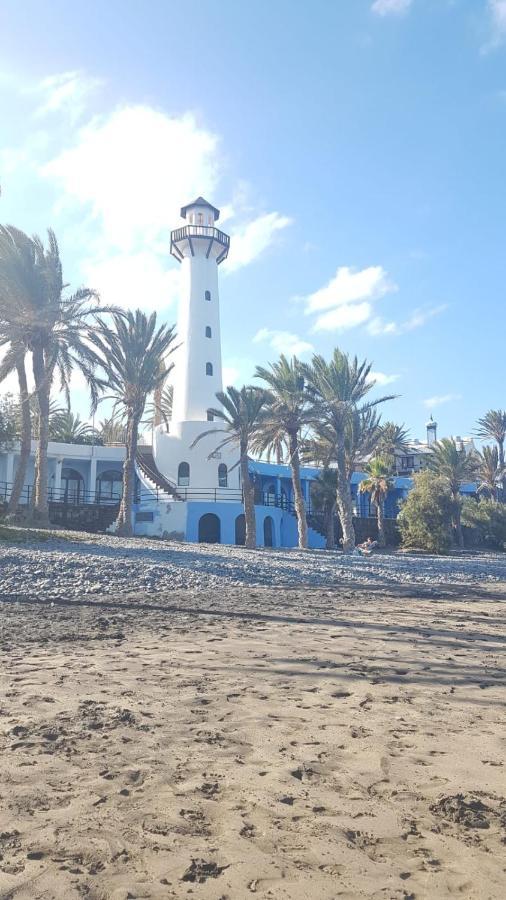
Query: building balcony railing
188	234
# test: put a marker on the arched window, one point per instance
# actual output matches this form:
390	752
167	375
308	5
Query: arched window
210	417
207	295
209	368
109	485
201	218
222	475
208	331
72	483
183	474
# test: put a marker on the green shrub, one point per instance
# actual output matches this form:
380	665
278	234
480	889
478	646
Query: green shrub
485	523
425	519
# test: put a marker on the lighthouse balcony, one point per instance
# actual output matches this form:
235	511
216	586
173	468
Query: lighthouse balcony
199	239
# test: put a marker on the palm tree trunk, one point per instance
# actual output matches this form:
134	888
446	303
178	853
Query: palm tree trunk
42	390
344	500
457	525
300	506
124	521
249	502
501	463
26	439
157	403
381	524
330	542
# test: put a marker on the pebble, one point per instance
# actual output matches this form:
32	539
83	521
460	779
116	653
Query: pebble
61	569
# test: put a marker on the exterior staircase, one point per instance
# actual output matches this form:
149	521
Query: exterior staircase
151	475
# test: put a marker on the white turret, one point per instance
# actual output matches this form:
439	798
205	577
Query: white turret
200	247
431	427
198	469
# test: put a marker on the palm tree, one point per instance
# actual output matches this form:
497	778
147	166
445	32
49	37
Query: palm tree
240	411
287	412
54	328
66	428
493	425
392	439
112	431
489	472
323	499
455	466
160	410
131	354
14	360
16	255
338	388
377	483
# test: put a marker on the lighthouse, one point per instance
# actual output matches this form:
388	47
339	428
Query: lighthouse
199	247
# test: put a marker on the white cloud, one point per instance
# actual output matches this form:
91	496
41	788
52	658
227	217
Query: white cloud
497	11
67	91
250	240
131	170
343	317
439	399
231	376
382	379
348	298
377	326
390	7
134	281
283	342
349	286
128	173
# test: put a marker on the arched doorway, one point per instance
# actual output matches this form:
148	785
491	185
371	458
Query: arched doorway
209	529
268	532
72	486
240	530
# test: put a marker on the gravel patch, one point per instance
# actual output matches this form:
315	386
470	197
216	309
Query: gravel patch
67	568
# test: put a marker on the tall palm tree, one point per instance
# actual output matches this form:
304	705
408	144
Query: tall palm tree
493	425
338	388
54	327
455	466
240	411
392	439
490	474
14	360
287	412
323	499
131	353
377	483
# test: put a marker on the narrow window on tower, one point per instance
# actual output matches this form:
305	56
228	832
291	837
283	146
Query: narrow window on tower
208	331
210	417
207	295
209	368
222	475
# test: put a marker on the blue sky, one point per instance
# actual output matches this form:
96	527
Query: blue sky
356	149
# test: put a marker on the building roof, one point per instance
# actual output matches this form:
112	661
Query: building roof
200	202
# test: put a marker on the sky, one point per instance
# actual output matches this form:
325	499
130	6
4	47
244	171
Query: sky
356	149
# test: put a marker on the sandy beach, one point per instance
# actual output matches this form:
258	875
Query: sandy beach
284	742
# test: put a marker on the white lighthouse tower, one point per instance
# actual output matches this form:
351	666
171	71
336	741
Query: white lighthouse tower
200	247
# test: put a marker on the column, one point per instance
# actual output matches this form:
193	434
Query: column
93	477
